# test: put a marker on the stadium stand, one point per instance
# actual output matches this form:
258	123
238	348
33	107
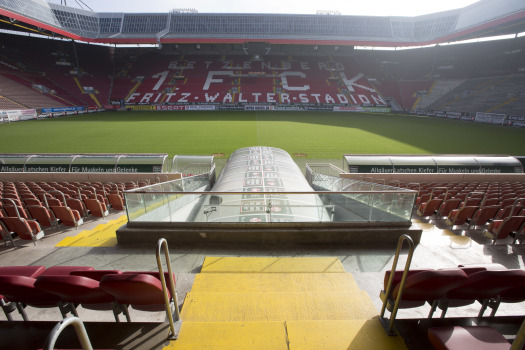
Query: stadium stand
481	77
448	78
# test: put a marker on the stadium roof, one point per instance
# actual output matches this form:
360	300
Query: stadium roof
481	19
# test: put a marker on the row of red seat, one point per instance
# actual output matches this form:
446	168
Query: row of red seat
27	207
489	284
66	287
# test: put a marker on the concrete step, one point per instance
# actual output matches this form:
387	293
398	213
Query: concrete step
285	306
272	265
292	335
273	282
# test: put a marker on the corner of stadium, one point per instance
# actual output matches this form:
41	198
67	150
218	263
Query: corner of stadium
186	180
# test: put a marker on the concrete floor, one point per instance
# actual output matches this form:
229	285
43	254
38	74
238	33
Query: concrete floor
439	247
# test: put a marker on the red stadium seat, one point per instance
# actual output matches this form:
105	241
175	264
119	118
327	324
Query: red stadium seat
96	208
480	286
423	286
43	216
483	215
500	229
24	229
141	291
67	216
78	290
460	216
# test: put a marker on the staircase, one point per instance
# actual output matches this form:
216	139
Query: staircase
440	89
279	303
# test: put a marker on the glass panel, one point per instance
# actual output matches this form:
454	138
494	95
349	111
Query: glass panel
246	207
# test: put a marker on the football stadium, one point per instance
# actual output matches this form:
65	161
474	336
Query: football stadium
205	180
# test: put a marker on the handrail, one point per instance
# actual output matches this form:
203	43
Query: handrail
140	191
389	327
12	201
60	326
162	243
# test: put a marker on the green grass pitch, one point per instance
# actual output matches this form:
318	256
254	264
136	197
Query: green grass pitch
318	135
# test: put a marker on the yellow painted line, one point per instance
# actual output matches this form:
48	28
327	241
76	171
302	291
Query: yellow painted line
273	282
135	87
78	84
255	307
272	265
502	104
103	235
94	98
432	88
231	336
341	335
415	103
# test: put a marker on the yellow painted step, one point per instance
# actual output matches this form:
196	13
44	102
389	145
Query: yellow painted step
272	264
273	282
230	336
103	235
293	335
341	335
254	307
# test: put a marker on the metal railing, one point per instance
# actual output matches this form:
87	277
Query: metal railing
364	206
80	330
385	295
175	322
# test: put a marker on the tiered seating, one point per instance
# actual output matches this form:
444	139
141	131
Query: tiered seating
455	287
66	287
17	225
25	96
475	204
26	208
237	79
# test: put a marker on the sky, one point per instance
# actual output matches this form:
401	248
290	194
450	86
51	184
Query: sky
344	7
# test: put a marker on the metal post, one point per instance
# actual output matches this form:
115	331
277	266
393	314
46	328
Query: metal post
390	326
174	329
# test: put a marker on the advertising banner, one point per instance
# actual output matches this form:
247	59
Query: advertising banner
62	109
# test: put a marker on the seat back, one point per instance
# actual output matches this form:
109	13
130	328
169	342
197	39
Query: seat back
75	289
463	214
95	207
22	289
23	229
485	284
509	224
428	208
42	215
66	216
431	284
78	205
449	205
141	291
484	214
116	201
15	211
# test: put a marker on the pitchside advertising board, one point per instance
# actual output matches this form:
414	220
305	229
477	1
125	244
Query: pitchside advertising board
518	121
80	168
258	107
433	165
76	164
